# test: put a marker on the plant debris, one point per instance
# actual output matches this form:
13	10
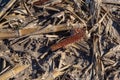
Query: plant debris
59	39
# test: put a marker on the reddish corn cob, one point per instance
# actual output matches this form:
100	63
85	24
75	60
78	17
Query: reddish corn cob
76	37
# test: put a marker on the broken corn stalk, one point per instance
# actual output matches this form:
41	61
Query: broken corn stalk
34	30
14	34
9	34
14	71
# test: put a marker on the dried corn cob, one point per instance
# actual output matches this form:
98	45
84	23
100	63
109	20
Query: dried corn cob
69	40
